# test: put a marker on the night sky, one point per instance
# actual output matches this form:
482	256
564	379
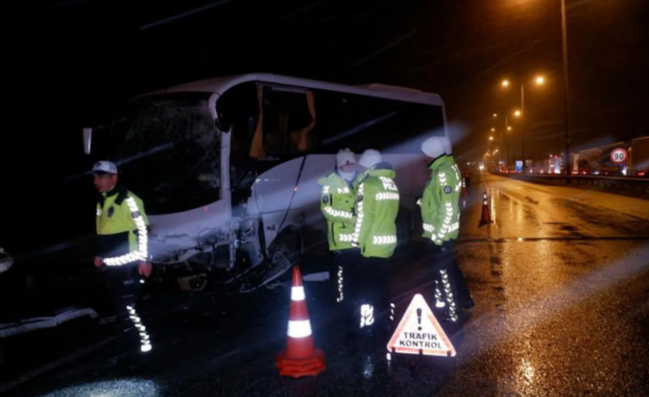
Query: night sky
69	59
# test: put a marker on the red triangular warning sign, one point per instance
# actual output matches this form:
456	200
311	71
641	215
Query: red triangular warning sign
419	332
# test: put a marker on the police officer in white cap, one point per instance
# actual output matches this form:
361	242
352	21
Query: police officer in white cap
122	244
375	234
441	221
337	202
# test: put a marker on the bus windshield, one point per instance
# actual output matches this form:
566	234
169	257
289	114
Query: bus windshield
167	148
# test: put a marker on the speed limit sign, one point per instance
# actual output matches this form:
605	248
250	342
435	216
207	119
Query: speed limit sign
619	156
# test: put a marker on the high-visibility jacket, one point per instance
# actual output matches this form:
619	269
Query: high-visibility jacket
337	199
122	227
377	206
440	209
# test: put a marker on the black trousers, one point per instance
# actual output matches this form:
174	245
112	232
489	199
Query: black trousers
341	271
367	294
464	295
124	285
449	292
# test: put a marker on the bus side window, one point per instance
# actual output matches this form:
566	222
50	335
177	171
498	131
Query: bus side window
362	122
355	122
289	121
238	109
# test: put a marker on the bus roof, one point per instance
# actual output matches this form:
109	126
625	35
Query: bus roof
220	85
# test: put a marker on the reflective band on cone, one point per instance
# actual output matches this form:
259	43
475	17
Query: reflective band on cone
486	212
300	358
299	329
297	294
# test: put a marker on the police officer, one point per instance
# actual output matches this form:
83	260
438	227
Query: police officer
337	201
375	234
441	222
122	239
464	294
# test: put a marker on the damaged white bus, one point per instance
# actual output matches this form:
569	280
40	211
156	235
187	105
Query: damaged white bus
228	167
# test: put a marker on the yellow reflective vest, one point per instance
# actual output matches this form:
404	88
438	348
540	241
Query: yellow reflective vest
377	207
120	213
337	200
440	207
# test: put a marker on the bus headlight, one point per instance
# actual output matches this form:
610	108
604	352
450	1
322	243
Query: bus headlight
5	260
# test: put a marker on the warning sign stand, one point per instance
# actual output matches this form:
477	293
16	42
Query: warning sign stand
420	333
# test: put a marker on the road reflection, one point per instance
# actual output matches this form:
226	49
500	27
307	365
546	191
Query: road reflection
114	388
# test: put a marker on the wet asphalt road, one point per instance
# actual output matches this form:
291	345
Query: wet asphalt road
561	285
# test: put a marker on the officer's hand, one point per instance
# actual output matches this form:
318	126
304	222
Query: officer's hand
98	261
144	269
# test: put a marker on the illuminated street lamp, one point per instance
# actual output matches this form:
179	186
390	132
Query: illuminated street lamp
491	138
493	129
509	128
540	80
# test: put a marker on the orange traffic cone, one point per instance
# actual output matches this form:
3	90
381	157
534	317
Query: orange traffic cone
486	212
300	358
464	191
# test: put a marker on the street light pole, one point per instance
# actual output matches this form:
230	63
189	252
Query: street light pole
508	141
523	115
500	151
564	34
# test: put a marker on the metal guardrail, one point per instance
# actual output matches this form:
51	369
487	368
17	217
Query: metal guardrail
614	182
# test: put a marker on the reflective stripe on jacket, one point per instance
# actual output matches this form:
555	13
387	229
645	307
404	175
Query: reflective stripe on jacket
337	200
120	212
440	209
377	206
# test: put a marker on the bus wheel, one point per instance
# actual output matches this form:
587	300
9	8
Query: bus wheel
404	226
288	244
284	253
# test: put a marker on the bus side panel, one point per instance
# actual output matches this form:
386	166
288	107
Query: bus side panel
307	198
274	190
180	230
412	174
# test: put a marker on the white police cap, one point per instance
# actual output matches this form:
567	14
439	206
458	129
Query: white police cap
102	167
